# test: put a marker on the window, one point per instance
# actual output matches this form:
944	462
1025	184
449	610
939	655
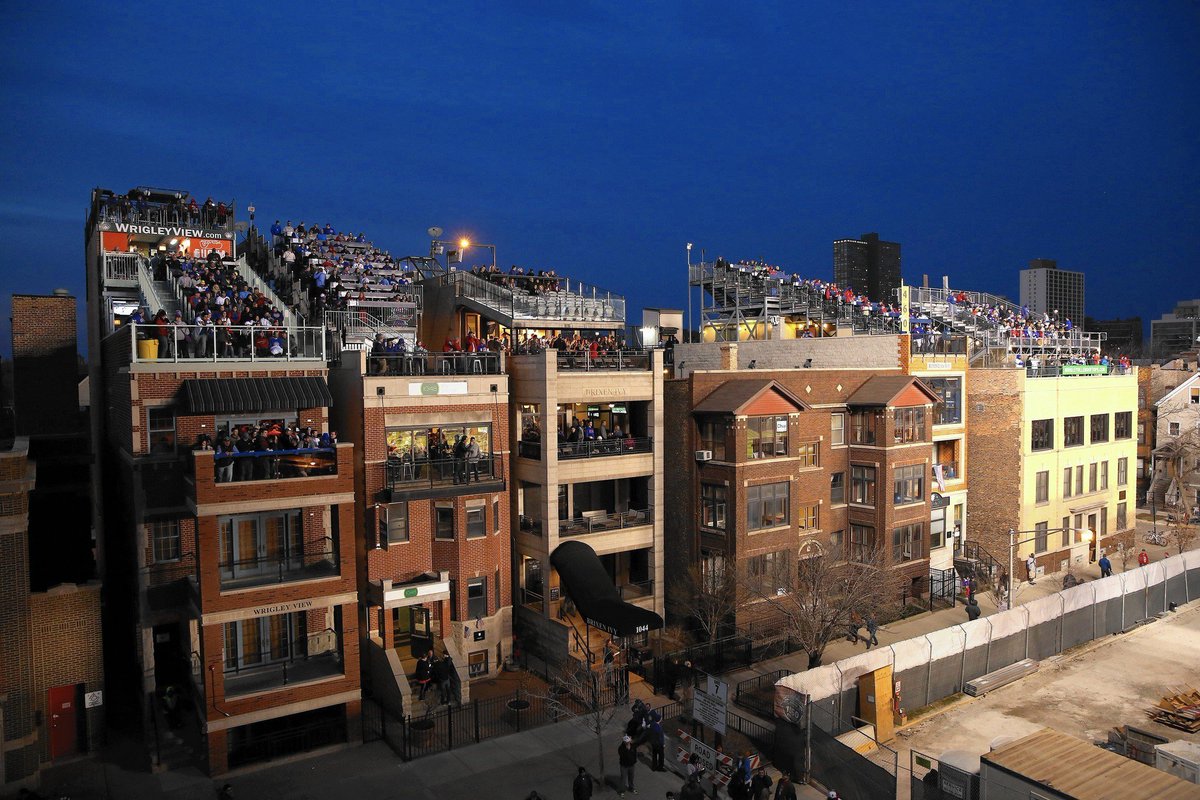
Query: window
909	483
810	454
1141	433
1121	517
808	517
1079	479
1103	475
1066	532
766	437
396	522
937	532
443	521
1093	476
420	444
260	544
712	506
837	487
1040	535
947	410
1043	487
266	640
862	543
862	427
1043	435
1122	424
909	424
908	542
495	516
768	571
836	543
1099	428
712	437
476	526
164	534
1195	397
767	506
1173	428
862	485
838	434
1103	521
1067	482
1122	471
477	598
161	429
1072	431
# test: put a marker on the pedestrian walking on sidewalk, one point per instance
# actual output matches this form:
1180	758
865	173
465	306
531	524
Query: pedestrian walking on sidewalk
658	743
973	610
1031	566
737	788
872	629
581	787
785	790
1105	567
760	785
627	758
852	632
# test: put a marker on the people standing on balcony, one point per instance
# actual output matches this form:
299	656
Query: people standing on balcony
224	460
460	458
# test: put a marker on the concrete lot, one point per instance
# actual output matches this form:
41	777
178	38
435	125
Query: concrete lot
1082	693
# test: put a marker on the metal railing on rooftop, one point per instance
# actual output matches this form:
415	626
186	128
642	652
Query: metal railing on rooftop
583	361
602	448
121	266
455	363
197	343
569	302
319	560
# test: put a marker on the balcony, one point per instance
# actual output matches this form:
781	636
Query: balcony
121	269
456	363
600	521
427	475
637	590
1077	370
192	344
949	471
315	656
319	560
273	465
602	448
527	448
620	360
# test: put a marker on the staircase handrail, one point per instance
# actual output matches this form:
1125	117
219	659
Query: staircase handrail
580	642
146	286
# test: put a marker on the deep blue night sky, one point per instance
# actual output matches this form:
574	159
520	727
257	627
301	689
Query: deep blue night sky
598	141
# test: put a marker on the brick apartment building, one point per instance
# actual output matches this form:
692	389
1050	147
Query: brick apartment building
783	464
53	701
241	593
435	563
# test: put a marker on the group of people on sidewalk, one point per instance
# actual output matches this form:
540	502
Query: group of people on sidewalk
435	671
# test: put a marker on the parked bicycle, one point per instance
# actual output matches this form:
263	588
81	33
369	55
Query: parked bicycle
1157	537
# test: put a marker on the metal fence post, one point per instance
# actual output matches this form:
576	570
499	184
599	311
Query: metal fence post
449	728
475	704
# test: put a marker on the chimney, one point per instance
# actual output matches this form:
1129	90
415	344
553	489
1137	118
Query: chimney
729	358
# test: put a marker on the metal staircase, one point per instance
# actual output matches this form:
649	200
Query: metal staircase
975	562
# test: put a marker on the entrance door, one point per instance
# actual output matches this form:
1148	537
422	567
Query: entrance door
422	635
169	665
402	629
64	730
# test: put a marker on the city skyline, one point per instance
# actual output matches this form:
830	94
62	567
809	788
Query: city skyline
596	143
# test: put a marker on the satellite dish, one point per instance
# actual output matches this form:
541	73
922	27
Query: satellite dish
241	226
434	232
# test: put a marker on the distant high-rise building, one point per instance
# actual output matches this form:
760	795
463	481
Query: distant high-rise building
1046	289
1124	335
1176	332
869	265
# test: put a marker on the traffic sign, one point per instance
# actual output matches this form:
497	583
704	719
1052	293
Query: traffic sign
709	710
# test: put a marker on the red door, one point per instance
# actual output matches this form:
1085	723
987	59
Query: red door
63	728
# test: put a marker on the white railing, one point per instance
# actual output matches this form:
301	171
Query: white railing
196	343
121	266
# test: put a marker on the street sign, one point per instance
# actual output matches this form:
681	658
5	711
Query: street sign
93	699
718	688
709	710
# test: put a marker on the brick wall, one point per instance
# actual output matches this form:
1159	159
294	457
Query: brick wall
994	440
45	363
866	352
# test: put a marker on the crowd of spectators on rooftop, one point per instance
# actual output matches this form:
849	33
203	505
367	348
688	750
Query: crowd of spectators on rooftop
518	279
138	206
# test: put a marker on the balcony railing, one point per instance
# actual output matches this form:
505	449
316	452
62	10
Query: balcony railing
529	449
191	343
949	471
530	525
629	360
458	363
318	561
600	448
270	465
121	266
598	521
315	656
636	590
1077	370
438	472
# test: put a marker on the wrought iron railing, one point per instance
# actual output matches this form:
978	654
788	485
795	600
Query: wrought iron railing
270	465
628	360
601	448
430	472
597	521
315	561
483	362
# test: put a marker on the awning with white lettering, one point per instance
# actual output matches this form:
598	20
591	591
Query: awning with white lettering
584	578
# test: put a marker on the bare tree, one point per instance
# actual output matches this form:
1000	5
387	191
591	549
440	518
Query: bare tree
1183	527
579	694
710	596
814	600
1126	542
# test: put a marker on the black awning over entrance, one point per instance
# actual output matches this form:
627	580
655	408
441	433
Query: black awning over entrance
242	395
583	578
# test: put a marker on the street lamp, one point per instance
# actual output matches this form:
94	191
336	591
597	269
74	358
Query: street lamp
1086	536
465	243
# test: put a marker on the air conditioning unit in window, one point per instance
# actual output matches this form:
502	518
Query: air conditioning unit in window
704	455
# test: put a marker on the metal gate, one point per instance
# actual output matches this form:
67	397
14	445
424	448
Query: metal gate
942	588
